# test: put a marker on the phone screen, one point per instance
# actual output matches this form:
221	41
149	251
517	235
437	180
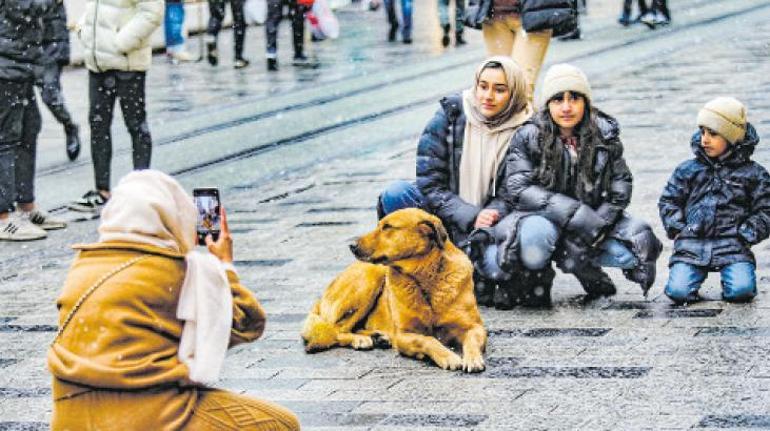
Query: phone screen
209	215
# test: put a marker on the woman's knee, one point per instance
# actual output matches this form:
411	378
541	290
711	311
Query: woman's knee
683	283
399	195
537	241
739	282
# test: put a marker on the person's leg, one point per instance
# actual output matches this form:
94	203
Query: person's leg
739	282
26	152
216	16
390	11
52	95
239	26
459	21
406	19
537	241
11	123
498	36
222	410
529	51
173	24
399	195
443	20
274	15
684	280
298	28
102	91
616	255
132	103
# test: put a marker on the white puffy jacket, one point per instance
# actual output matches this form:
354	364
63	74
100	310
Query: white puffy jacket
116	33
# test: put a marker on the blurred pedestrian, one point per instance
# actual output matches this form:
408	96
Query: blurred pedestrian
116	39
460	160
56	55
21	53
716	206
217	15
443	16
145	322
297	10
173	26
406	20
625	16
505	32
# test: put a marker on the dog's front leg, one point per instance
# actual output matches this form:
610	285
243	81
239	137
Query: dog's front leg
474	341
418	345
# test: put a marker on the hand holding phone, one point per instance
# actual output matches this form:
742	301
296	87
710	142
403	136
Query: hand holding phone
208	206
222	248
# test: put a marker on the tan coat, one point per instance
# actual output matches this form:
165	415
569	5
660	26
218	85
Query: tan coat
125	337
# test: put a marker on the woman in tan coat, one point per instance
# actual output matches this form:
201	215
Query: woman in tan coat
117	363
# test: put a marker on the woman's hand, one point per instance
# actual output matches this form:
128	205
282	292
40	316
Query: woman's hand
487	218
223	247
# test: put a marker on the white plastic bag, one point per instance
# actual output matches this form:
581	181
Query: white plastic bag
327	22
255	11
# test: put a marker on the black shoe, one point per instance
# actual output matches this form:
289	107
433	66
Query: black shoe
484	291
272	64
504	297
573	35
92	201
211	53
240	63
596	283
445	38
300	60
73	141
624	20
459	41
392	33
407	41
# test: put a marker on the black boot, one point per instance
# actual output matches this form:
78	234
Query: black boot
445	38
392	32
484	291
73	141
536	287
459	39
272	64
211	53
596	282
506	295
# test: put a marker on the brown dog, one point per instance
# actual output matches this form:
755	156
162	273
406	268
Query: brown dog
413	290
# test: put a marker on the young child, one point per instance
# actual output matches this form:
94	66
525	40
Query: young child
716	206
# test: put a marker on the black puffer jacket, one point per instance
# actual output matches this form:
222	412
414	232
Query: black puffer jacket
584	219
56	37
21	35
438	165
717	209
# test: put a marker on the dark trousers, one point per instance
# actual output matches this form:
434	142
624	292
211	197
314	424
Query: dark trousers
103	89
274	16
217	15
52	95
19	127
642	4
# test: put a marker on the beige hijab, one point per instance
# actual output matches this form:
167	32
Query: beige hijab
487	139
149	207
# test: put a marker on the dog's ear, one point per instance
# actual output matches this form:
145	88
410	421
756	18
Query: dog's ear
435	231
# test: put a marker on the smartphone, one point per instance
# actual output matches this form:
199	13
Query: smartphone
209	207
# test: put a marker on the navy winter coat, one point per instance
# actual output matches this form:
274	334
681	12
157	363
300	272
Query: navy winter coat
21	36
438	165
56	37
716	209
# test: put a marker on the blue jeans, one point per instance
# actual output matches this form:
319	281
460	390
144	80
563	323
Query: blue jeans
406	16
739	282
399	195
173	24
538	238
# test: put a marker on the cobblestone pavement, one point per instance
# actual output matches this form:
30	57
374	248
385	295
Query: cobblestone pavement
617	363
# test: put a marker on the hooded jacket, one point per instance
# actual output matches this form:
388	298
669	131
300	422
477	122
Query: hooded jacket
56	36
716	209
21	35
439	151
116	34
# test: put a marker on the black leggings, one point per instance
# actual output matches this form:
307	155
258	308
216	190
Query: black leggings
103	89
274	16
217	15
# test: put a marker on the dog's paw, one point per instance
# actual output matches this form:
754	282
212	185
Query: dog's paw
381	340
473	363
450	361
362	342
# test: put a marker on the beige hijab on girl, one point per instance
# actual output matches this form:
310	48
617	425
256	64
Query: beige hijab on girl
486	139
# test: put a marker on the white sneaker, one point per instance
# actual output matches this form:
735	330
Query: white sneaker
17	228
43	219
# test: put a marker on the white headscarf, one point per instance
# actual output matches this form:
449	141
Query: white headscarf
486	140
149	207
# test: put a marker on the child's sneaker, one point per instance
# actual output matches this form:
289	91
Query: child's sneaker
93	201
43	219
17	228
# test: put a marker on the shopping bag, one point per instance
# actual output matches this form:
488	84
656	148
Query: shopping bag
327	22
255	11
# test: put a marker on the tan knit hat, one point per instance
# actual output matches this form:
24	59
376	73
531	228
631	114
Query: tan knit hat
564	77
726	116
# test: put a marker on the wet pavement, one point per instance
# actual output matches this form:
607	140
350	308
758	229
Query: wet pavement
300	157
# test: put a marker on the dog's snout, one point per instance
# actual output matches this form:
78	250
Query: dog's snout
355	249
